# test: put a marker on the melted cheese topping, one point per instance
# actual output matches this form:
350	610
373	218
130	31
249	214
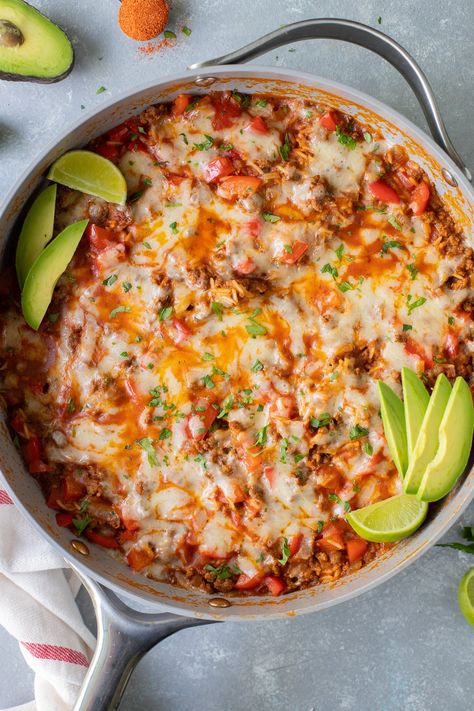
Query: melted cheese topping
220	388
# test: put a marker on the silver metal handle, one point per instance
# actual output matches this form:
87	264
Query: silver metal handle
124	635
364	36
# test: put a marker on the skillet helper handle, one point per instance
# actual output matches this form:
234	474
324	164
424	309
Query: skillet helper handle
364	36
124	635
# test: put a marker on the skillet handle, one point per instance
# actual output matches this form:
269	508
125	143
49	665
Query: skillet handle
124	635
365	36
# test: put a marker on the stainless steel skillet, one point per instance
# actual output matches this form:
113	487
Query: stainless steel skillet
124	635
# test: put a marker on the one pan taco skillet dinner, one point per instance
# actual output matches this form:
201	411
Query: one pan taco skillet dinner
209	332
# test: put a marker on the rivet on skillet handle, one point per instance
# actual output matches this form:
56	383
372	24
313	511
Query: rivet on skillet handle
124	635
367	37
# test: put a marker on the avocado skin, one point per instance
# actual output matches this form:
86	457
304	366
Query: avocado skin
9	76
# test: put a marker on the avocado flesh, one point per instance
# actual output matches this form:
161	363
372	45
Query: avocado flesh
415	399
393	418
455	440
428	439
45	272
44	54
36	232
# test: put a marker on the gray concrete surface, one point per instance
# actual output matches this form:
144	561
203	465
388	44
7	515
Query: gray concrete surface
403	646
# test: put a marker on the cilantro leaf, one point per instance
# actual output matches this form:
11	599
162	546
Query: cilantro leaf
285	552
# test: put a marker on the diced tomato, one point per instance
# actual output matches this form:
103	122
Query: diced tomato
18	424
111	151
413	348
100	539
55	497
137	145
250	452
382	191
270	475
294	543
297	250
356	548
33	449
226	109
237	186
331	540
181	331
64	519
99	238
218	168
119	134
245	266
328	121
72	489
139	558
257	125
419	198
254	227
245	582
451	345
275	585
199	421
175	179
180	104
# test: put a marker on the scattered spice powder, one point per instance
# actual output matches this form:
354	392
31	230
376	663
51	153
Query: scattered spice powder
143	19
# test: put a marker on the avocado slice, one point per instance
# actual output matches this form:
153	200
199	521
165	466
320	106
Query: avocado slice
36	232
428	439
455	440
415	400
45	272
393	418
32	48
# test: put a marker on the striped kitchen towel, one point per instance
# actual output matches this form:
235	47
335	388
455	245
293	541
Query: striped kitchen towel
37	606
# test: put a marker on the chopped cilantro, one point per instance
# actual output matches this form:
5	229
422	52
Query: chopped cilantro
119	310
345	140
186	30
261	436
126	286
328	269
412	305
218	309
222	572
255	329
71	406
320	526
80	524
367	137
52	318
391	244
270	217
184	137
147	444
345	286
368	449
324	420
283	450
147	245
101	90
357	432
174	227
261	102
258	365
124	354
285	148
340	252
226	407
165	433
413	271
148	182
165	313
407	327
285	552
205	145
208	382
207	356
110	280
392	220
451	320
167	34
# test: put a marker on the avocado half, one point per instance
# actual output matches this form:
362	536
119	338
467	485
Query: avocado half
32	48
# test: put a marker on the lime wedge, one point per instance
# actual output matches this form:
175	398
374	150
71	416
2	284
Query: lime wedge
389	520
466	596
90	173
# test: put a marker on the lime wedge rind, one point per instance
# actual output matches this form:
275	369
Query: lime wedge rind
90	173
466	596
389	520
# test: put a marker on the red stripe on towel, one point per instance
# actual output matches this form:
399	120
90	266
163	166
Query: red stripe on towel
59	654
5	497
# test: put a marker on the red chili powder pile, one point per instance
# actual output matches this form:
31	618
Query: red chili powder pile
143	19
